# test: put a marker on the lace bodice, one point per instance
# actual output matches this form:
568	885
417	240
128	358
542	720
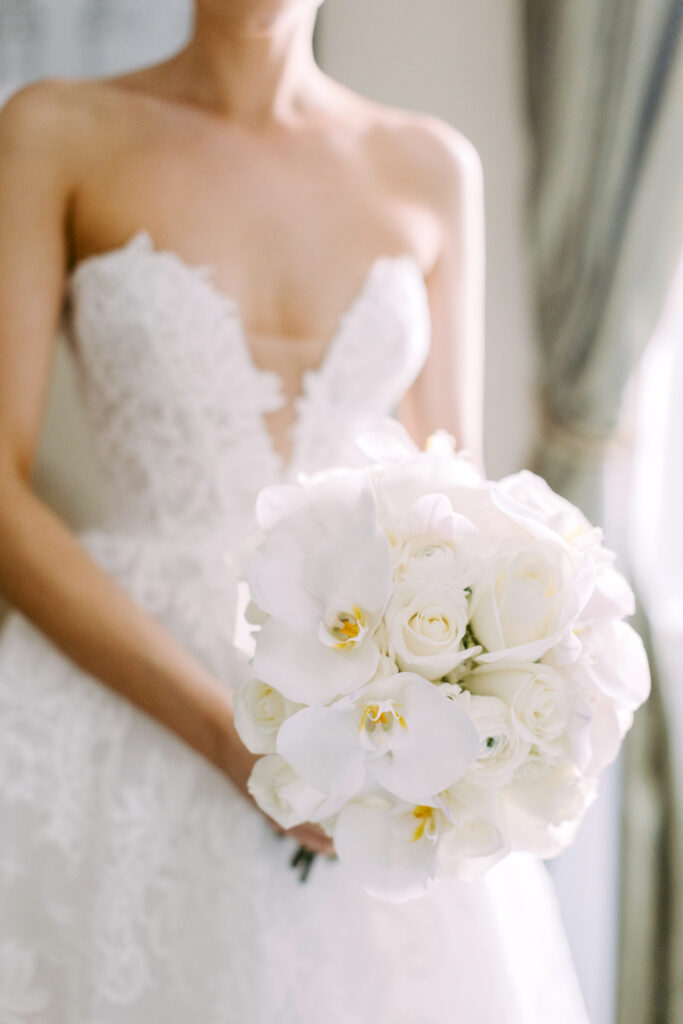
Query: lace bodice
176	404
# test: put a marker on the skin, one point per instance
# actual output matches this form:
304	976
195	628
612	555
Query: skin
240	153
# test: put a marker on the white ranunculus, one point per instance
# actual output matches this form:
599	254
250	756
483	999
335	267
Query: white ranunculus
259	711
432	558
502	748
437	543
426	624
389	846
525	600
284	795
402	734
545	707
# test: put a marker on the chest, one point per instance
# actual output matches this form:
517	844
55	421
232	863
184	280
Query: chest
290	225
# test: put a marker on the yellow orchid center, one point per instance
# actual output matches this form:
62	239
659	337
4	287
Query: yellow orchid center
384	715
425	822
347	627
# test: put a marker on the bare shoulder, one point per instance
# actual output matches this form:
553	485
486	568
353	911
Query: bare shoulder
52	117
48	105
441	162
445	163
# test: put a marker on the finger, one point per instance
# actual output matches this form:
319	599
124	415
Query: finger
316	840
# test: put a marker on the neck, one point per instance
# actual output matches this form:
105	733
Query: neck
257	71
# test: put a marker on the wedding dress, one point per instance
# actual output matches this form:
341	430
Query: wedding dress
136	884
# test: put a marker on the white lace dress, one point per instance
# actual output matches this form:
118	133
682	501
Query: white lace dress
136	885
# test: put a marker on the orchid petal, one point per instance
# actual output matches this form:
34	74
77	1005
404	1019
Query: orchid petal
389	443
277	502
322	745
276	584
306	671
352	568
378	855
443	744
433	515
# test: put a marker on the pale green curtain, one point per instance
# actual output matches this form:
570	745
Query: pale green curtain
605	100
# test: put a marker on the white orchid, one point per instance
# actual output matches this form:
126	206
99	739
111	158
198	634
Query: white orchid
471	842
402	734
324	579
390	846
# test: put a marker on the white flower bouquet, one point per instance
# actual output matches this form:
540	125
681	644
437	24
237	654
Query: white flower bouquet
441	668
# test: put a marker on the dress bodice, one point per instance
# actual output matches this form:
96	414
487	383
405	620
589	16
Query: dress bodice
176	403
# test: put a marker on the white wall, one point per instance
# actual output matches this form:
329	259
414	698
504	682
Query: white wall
459	59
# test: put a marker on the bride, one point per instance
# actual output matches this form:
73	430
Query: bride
251	263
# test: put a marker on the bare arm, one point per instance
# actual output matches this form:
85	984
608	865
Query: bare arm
44	571
449	391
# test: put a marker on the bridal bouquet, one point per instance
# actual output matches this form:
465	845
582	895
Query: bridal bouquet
441	667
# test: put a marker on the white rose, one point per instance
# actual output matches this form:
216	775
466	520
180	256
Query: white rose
543	704
260	710
534	498
426	625
502	748
527	496
612	662
544	805
611	675
525	600
284	795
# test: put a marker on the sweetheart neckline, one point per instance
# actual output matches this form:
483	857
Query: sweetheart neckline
204	274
